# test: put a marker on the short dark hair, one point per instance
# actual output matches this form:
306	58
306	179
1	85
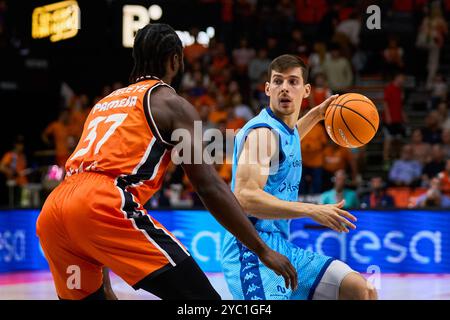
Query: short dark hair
286	62
153	45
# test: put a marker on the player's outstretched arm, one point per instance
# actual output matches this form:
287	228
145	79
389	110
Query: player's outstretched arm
309	120
171	112
251	177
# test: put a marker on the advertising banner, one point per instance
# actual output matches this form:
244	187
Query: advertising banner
387	241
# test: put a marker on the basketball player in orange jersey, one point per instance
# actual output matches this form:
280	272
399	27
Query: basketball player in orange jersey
96	218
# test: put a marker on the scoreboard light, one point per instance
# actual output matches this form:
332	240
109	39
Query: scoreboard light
136	17
58	21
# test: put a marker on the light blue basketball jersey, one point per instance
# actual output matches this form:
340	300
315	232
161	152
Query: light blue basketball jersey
246	276
285	181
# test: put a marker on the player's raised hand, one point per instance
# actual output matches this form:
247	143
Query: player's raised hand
324	105
281	266
333	217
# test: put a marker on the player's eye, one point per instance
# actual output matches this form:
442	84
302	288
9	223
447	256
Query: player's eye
293	82
278	81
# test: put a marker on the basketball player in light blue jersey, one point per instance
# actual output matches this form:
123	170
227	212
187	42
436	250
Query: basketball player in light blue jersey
266	176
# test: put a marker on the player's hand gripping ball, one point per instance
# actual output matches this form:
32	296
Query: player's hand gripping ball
352	120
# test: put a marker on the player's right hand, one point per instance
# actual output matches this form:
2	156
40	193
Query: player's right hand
333	217
281	266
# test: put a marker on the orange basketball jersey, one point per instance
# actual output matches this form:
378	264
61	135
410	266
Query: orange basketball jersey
120	139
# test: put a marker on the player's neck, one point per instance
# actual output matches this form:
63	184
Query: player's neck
167	79
289	120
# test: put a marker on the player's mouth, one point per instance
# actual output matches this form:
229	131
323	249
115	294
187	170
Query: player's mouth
284	101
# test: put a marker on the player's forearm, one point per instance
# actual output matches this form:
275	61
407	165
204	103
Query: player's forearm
263	205
308	121
222	204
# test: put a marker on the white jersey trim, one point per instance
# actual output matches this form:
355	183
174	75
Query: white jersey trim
150	110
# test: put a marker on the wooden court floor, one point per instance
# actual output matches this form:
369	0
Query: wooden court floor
38	285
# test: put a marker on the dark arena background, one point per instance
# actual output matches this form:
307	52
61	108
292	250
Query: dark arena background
58	61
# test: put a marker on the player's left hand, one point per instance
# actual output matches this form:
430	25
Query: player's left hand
322	108
281	266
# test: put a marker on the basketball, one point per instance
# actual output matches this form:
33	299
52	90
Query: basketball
352	120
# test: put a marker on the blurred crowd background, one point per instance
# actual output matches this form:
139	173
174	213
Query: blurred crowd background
404	68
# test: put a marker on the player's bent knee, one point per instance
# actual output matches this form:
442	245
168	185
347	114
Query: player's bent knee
373	294
356	287
366	292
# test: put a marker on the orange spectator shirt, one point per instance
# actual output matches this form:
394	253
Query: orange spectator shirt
225	172
17	163
313	145
217	116
445	182
60	134
194	51
120	139
304	105
310	11
336	158
219	63
235	123
319	95
204	100
77	119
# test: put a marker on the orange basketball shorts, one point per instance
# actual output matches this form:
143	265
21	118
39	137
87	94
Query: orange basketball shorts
89	222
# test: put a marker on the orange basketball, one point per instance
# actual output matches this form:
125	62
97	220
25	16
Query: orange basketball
352	120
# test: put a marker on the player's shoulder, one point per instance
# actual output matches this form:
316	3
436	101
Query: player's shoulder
167	97
260	130
171	111
258	125
261	138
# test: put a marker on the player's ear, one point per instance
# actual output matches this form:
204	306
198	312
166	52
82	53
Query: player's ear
170	64
307	90
181	61
175	62
267	89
